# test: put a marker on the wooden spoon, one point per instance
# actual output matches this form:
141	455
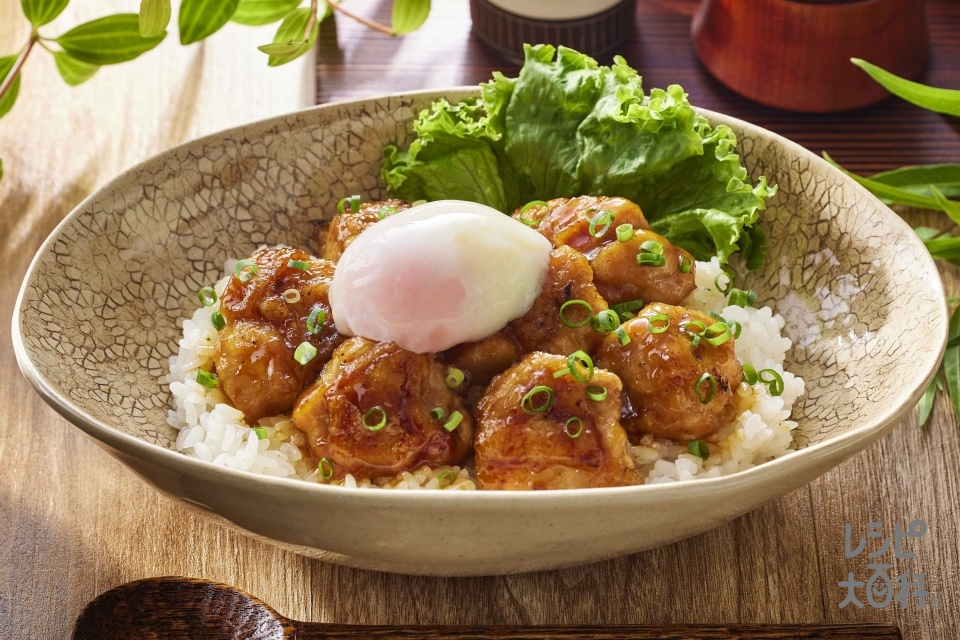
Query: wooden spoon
175	607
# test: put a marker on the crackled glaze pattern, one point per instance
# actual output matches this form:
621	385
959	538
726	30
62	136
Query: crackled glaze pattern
102	307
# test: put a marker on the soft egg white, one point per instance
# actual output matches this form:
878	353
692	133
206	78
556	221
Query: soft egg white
438	274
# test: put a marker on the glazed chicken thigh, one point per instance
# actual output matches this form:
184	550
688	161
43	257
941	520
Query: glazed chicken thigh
538	431
337	234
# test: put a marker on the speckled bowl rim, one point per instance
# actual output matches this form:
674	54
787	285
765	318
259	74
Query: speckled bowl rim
844	445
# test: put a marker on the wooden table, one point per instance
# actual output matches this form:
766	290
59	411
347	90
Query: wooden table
74	523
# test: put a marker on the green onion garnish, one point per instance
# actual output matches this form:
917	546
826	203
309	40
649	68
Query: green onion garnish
437	413
527	207
660	317
627	307
717	333
774	382
245	269
575	361
207	379
650	260
218	321
527	403
706	377
736	328
749	374
291	296
300	265
305	353
624	232
622	336
576	429
316	319
374	418
446	478
742	298
576	302
686	263
652	246
699	448
453	421
261	432
597	393
350	203
600	223
689	326
454	378
723	288
325	467
605	321
385	211
207	296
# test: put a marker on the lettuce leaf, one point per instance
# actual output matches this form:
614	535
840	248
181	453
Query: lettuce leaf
568	126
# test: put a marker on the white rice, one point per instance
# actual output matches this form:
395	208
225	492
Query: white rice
212	430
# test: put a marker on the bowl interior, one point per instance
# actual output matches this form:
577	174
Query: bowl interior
102	306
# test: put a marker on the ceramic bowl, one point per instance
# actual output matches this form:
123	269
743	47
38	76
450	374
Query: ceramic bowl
98	315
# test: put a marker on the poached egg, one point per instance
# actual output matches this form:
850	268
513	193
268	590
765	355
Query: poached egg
438	274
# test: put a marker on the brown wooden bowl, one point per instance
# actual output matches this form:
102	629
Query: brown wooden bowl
795	54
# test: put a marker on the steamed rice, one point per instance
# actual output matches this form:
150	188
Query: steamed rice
212	430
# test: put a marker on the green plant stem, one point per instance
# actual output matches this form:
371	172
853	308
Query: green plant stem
18	63
312	21
376	26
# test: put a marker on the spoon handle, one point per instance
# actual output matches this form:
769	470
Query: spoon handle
321	631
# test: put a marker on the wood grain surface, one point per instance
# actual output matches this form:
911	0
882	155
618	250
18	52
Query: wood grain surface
74	523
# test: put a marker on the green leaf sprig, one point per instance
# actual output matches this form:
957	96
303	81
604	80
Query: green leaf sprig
926	187
80	52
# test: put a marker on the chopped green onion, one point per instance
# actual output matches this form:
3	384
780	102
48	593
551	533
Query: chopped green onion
437	413
386	211
453	421
350	203
567	429
717	333
742	298
300	265
446	478
706	377
208	297
371	414
699	448
605	321
527	403
261	432
305	353
291	296
723	288
749	374
627	315
316	319
660	317
207	379
652	246
577	359
622	336
597	393
576	302
325	467
624	232
650	260
244	270
454	378
627	307
527	207
696	324
774	382
218	321
695	341
600	223
686	263
736	327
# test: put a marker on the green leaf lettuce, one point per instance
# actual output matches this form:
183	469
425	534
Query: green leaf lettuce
567	127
